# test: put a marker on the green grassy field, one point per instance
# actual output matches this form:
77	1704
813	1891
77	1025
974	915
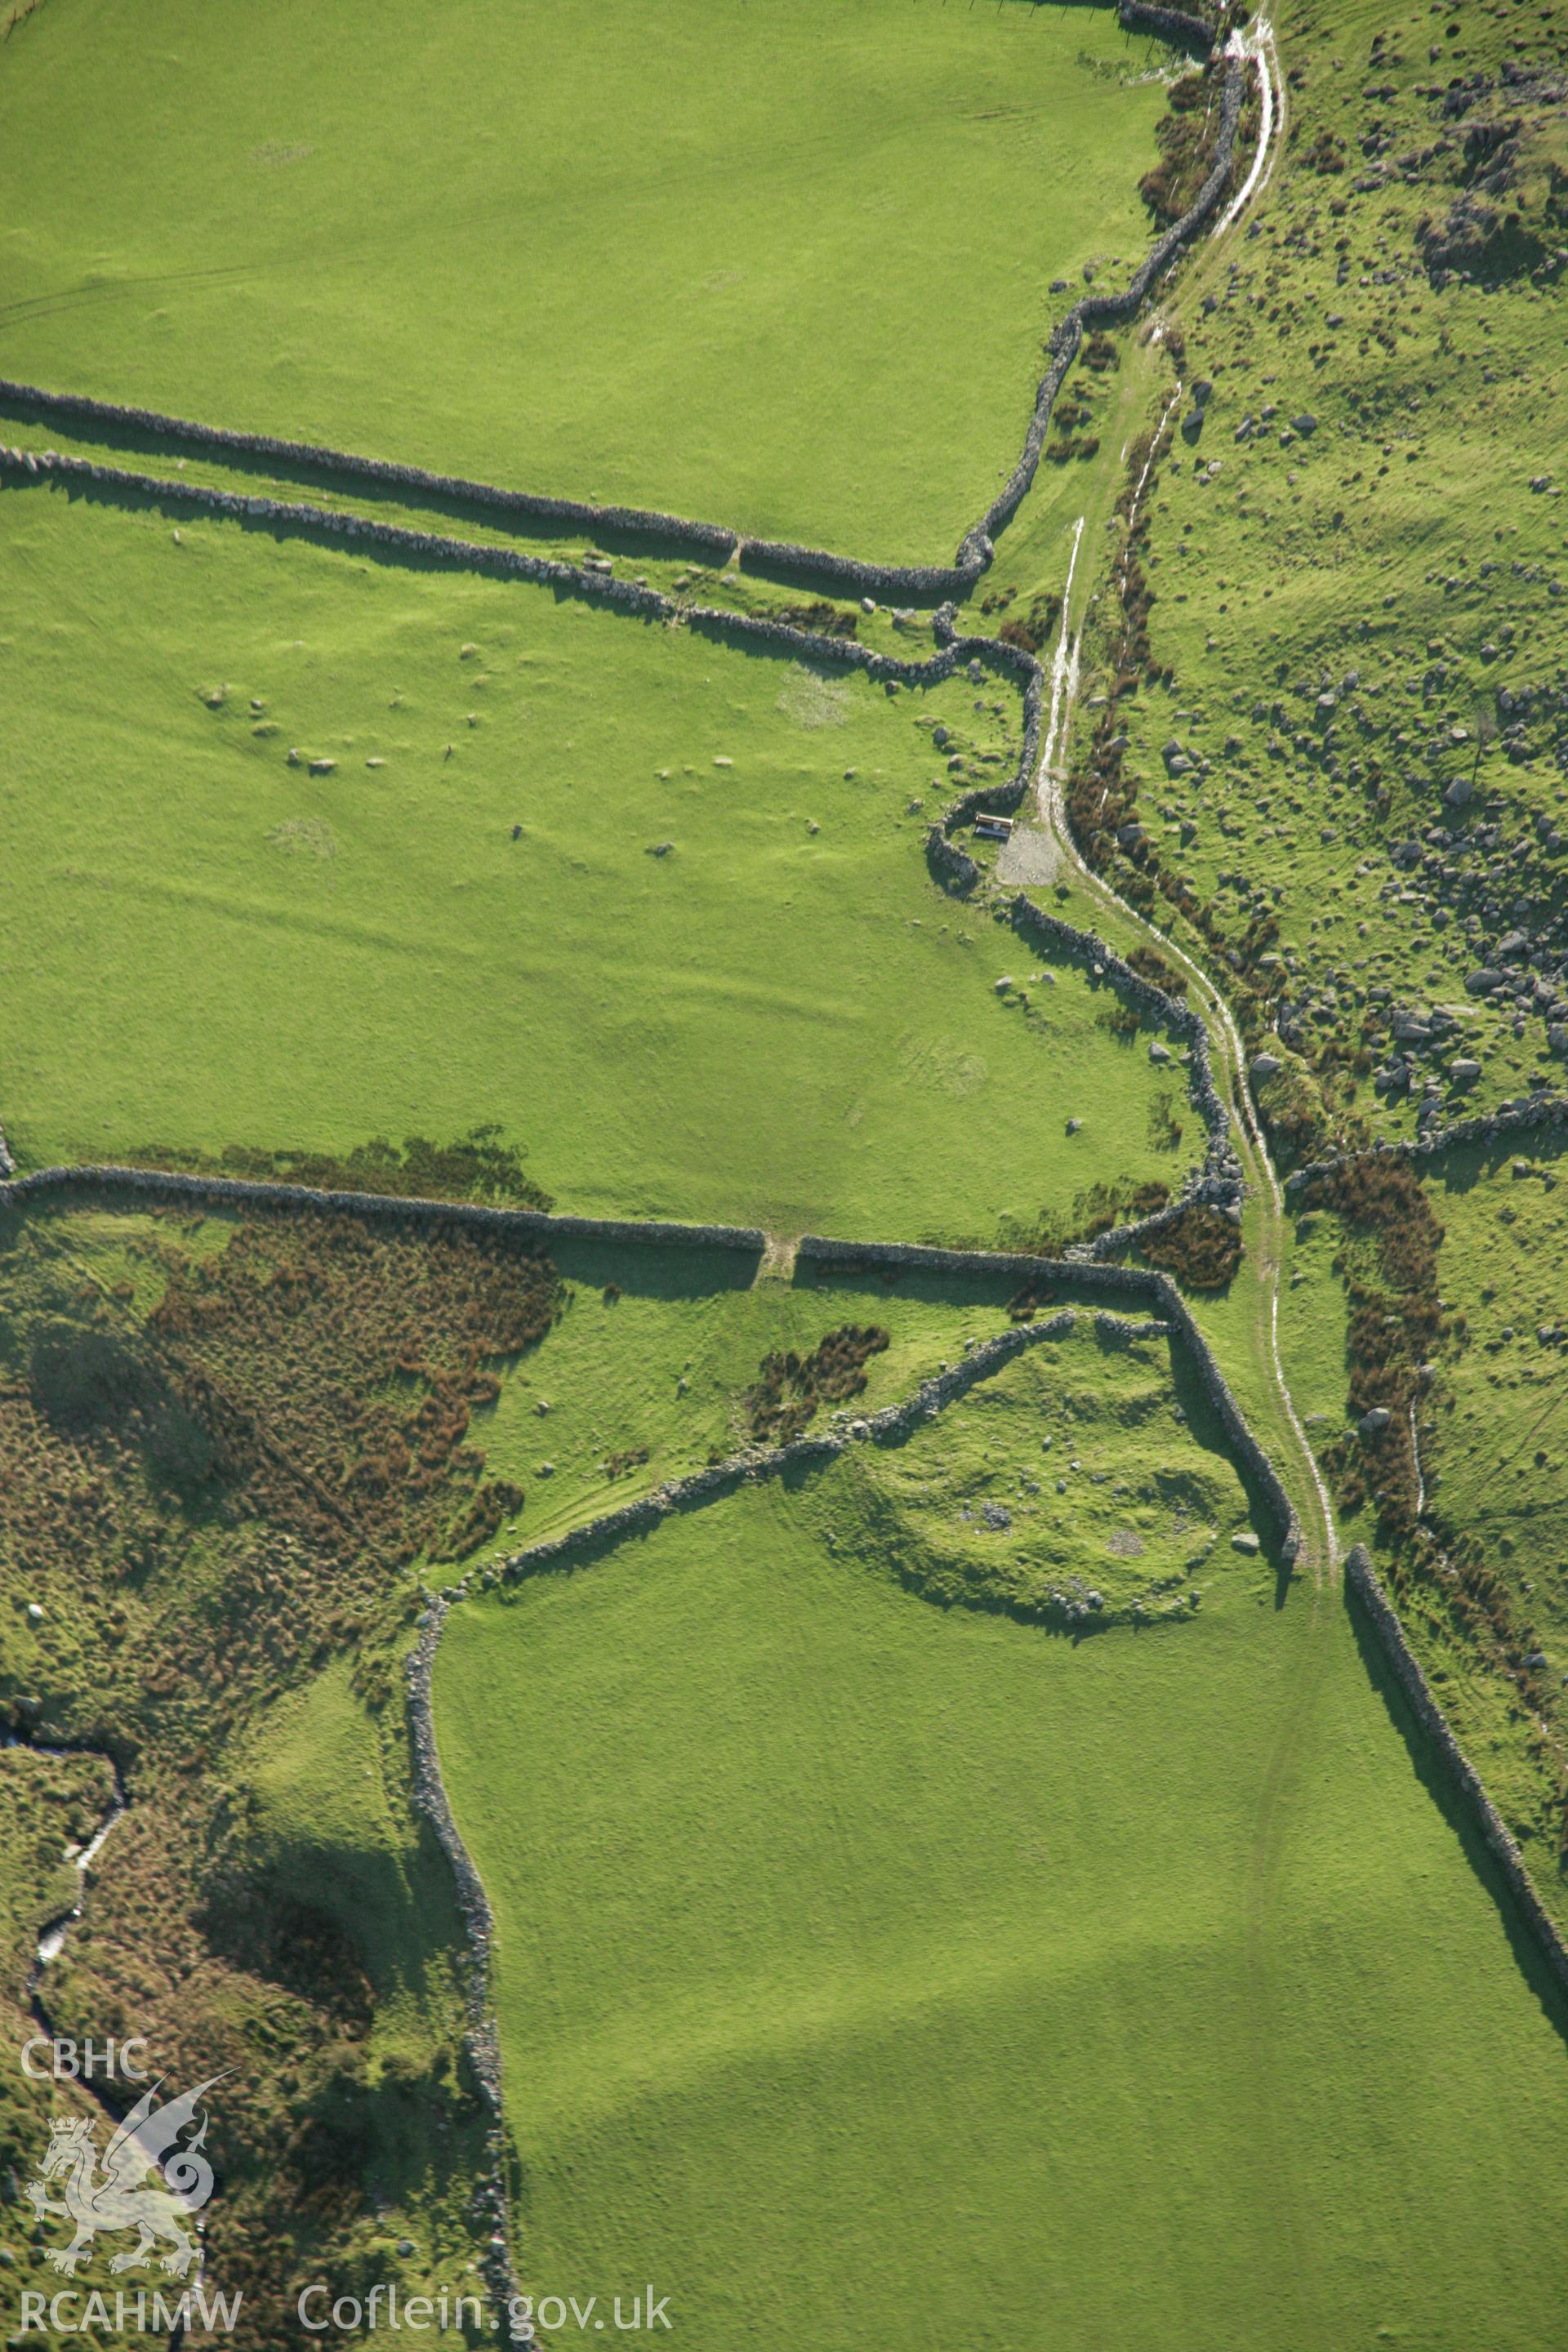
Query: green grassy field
871	1956
657	1350
917	1970
208	945
786	267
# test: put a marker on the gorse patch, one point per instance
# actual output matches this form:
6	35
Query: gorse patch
337	1366
210	1502
790	1387
478	1167
1201	1248
1094	1210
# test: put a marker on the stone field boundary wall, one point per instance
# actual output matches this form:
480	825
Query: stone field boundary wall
1218	1180
482	2042
712	543
717	542
1148	1285
156	1183
1145	1283
954	651
1219	1175
1362	1579
1488	1127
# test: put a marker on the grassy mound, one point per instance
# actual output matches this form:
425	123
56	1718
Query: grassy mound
580	248
915	1968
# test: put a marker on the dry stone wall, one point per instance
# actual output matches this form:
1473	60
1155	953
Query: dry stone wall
1142	1283
1362	1579
1177	25
481	2043
712	542
1218	1178
1094	311
1131	1282
715	544
1521	1120
156	1183
954	651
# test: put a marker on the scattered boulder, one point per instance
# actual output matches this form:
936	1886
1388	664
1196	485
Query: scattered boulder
1373	1423
1244	1541
1464	1072
1264	1065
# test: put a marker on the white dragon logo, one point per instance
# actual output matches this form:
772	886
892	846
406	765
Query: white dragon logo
122	2198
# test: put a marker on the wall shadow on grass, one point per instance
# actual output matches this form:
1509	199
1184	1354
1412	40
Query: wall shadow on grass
645	1270
479	560
1438	1783
395	500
